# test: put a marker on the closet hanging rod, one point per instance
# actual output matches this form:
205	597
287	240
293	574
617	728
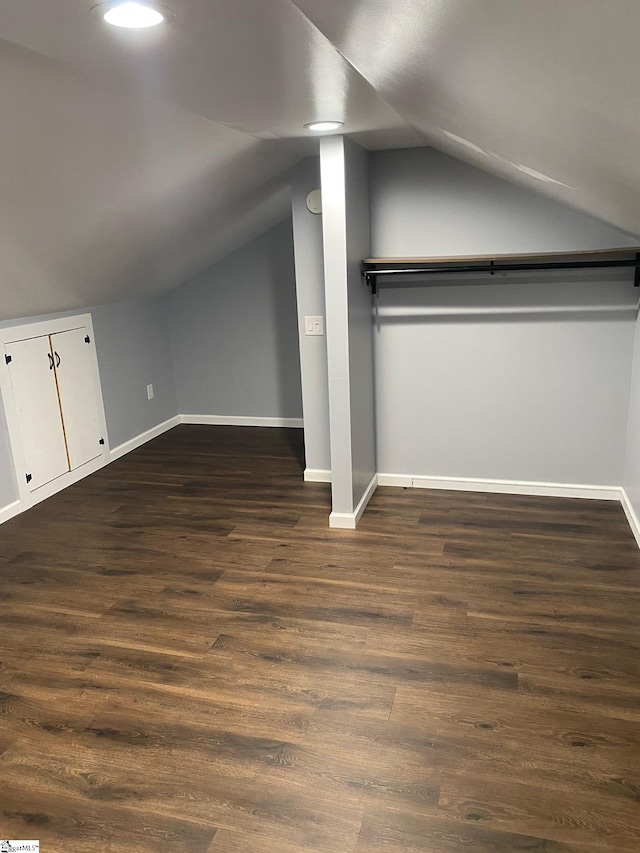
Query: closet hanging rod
373	268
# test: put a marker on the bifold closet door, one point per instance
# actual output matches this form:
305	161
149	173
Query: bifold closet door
36	399
76	386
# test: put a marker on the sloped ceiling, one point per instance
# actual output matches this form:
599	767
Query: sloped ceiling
106	197
129	161
511	86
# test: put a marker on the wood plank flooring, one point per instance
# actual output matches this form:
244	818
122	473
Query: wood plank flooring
191	661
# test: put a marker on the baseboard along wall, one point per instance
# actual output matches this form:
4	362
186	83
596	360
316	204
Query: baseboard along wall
8	511
144	437
219	420
508	487
15	508
632	518
350	520
240	420
317	475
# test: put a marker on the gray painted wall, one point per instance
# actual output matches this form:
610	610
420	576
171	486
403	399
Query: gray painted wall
132	344
517	382
632	460
425	203
234	333
309	267
8	485
534	396
361	376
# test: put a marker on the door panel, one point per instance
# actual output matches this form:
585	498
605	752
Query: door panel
77	395
38	410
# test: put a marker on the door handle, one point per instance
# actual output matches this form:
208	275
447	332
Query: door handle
50	361
58	361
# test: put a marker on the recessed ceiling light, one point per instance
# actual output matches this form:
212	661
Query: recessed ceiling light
319	126
134	16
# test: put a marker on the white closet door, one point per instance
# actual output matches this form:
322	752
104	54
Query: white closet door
38	409
77	395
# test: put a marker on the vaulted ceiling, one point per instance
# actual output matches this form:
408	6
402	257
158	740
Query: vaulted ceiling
130	160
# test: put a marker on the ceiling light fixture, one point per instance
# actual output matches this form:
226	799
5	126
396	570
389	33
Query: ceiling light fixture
133	16
320	126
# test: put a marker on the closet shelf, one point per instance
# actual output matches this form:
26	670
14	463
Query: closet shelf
374	268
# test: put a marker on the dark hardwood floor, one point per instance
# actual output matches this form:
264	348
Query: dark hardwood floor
191	661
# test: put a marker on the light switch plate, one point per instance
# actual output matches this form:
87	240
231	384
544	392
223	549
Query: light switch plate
149	392
314	325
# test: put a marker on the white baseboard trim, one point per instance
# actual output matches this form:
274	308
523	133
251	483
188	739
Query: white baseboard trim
317	475
632	518
8	511
144	437
237	420
349	520
65	480
509	487
154	432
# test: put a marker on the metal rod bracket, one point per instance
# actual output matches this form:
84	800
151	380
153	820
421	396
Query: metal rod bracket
373	270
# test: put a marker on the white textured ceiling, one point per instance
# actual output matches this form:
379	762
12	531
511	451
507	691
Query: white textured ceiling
548	85
105	197
131	160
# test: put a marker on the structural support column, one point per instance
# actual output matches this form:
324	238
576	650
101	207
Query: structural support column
346	236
